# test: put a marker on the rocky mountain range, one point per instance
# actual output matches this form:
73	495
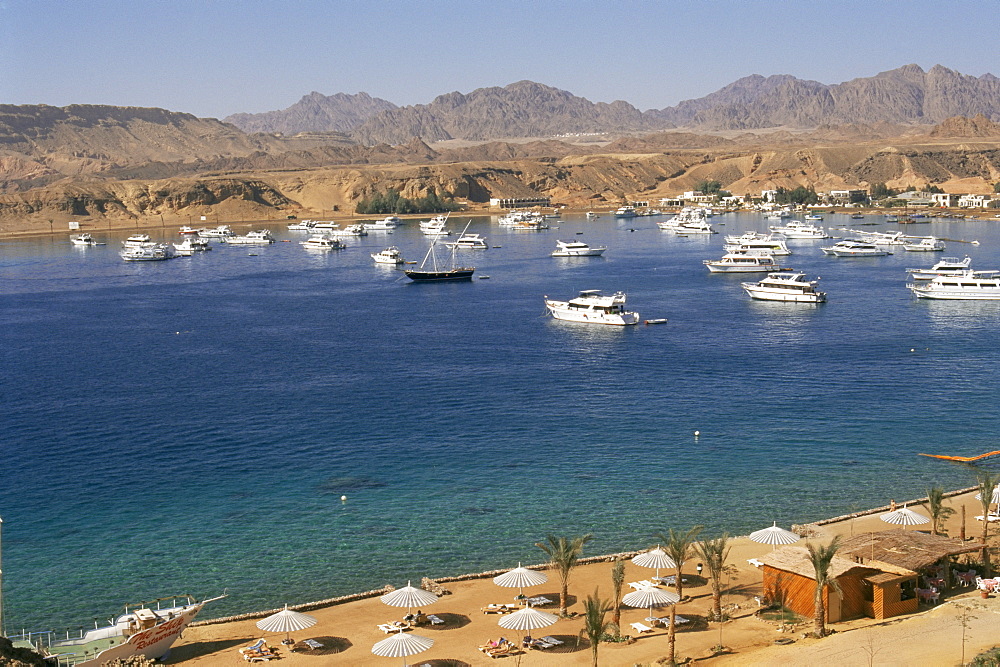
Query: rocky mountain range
907	95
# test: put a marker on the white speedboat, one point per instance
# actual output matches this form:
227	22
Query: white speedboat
948	266
137	241
390	255
324	225
785	287
191	245
591	215
302	226
348	231
928	244
737	262
796	229
220	232
591	307
971	285
813	216
435	226
691	220
387	223
768	245
148	253
260	237
469	242
147	629
625	212
576	249
84	239
321	242
853	248
187	231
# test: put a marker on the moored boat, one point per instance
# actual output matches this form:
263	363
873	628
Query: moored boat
137	241
968	286
791	287
737	262
390	255
576	249
928	244
220	232
469	242
84	239
592	307
625	212
191	245
948	266
434	273
321	242
148	253
260	237
854	248
385	224
796	229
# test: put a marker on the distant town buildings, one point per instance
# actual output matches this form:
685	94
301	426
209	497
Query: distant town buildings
520	202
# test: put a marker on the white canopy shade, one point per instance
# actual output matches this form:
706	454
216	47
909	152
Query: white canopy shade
654	558
287	621
401	645
904	516
774	535
520	577
409	597
995	498
650	597
528	619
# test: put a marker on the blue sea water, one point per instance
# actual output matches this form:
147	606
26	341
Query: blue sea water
191	426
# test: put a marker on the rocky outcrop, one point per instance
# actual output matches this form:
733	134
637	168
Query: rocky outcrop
960	126
315	112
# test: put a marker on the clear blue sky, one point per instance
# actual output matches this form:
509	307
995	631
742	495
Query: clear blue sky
217	57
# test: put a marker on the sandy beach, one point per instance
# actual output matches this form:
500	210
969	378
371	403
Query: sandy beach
930	636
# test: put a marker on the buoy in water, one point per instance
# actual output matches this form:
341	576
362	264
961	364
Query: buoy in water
697	433
343	499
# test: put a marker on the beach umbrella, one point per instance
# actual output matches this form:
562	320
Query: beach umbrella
774	535
409	597
520	577
401	645
651	597
995	498
654	558
528	619
904	517
287	621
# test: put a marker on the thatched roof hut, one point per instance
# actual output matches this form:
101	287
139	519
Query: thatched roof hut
907	549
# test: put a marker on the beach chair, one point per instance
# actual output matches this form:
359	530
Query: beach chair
755	562
312	644
488	646
395	626
259	645
498	608
641	585
435	620
641	628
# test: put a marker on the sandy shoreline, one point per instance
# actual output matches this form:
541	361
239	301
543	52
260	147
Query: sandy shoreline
349	629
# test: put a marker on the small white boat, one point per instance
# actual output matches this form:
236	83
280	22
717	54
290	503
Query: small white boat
188	231
768	245
691	220
137	241
260	237
813	216
785	287
469	242
576	249
349	230
796	229
387	223
148	253
390	255
220	232
324	225
191	245
302	226
591	307
591	215
928	244
626	212
971	285
852	248
948	266
734	262
84	239
321	242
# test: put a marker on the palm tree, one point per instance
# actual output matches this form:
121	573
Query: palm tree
618	583
678	547
563	553
936	508
986	483
594	626
821	557
714	552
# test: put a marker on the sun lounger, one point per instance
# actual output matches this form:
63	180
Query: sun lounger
641	628
261	644
313	644
552	640
435	620
640	585
993	517
498	608
538	601
395	626
755	562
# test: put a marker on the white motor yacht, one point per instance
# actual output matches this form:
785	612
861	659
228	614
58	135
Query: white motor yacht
324	225
302	226
191	245
971	285
796	229
187	231
928	244
813	216
691	220
260	237
148	253
321	242
853	248
626	212
576	249
387	223
84	239
785	287
591	307
948	266
220	232
768	245
390	255
736	262
137	241
349	230
469	242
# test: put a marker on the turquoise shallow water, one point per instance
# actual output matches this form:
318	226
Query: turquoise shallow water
190	426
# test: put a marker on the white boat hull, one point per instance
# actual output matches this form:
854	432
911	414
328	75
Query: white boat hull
590	252
775	294
561	310
985	294
747	268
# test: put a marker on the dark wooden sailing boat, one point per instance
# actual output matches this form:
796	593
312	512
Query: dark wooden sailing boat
435	273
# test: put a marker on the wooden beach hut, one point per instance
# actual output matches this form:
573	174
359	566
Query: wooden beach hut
790	580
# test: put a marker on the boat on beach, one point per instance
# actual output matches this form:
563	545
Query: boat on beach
792	287
576	249
146	629
592	307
